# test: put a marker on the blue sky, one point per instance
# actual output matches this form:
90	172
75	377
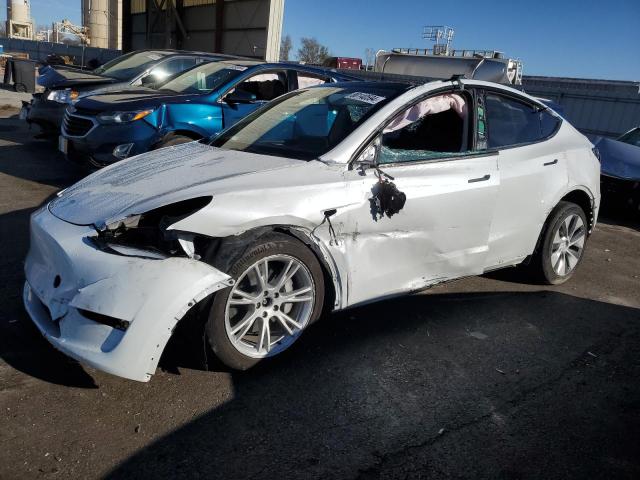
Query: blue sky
590	38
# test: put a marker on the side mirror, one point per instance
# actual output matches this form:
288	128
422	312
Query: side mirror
148	80
240	96
369	156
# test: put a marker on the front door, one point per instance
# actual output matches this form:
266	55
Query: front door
264	87
442	231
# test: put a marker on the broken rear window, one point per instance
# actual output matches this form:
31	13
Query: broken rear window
308	123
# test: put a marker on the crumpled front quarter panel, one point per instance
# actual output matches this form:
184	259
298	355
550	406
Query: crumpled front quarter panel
200	118
66	276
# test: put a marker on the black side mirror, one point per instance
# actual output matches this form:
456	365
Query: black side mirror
369	156
240	96
148	80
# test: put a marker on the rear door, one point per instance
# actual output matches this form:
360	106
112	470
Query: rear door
532	173
171	66
306	79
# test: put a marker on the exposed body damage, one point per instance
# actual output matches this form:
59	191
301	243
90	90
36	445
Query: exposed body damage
454	218
71	284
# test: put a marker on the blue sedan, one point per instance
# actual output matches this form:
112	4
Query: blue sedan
197	103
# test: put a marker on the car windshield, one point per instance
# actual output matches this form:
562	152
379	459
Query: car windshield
130	65
632	137
307	123
204	78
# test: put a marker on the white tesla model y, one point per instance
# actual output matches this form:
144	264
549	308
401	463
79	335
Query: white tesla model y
326	198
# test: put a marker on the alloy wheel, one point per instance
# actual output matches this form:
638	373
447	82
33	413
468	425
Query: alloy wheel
568	245
269	306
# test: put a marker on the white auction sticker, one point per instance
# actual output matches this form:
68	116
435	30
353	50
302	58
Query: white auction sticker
365	97
237	67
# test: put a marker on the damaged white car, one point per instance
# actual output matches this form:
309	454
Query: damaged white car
329	197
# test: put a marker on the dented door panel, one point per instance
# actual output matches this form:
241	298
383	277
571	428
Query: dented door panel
441	233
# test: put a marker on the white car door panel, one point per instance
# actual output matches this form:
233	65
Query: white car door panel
441	233
533	169
530	179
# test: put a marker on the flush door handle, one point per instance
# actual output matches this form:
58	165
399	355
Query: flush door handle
480	179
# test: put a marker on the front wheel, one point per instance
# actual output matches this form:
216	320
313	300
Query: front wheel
562	245
173	140
279	291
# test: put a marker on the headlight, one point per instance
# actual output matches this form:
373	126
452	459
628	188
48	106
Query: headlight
123	117
62	96
148	234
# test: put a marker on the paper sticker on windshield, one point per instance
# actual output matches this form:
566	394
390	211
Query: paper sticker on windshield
236	67
153	56
369	98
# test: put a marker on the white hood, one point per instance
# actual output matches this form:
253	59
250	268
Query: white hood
154	179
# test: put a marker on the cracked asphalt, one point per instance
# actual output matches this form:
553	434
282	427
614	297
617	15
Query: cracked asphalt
487	377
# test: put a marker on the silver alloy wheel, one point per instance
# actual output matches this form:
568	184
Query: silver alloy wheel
269	306
568	244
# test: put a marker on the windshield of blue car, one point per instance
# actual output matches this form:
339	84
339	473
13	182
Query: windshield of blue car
204	78
307	123
632	137
130	65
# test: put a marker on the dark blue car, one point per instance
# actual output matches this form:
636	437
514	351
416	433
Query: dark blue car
197	103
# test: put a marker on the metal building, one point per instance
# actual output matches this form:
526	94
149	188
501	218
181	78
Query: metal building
250	28
597	107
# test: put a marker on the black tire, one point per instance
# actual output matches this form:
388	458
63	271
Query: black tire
541	264
265	246
173	140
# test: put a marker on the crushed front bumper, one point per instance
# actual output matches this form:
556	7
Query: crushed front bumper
112	312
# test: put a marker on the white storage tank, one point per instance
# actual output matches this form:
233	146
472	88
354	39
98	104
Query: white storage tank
103	19
19	23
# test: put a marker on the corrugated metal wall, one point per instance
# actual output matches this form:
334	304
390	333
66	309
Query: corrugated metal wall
247	27
598	107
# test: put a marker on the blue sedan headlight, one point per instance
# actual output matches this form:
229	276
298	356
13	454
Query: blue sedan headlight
62	96
123	117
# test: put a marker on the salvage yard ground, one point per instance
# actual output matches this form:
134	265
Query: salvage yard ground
483	377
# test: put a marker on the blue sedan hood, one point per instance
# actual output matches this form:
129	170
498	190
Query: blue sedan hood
619	159
132	99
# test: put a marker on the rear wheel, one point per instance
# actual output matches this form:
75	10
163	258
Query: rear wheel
562	245
279	291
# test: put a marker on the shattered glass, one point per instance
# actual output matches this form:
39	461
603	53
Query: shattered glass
388	155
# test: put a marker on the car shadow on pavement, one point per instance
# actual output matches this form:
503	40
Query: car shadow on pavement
21	344
616	212
491	385
25	157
